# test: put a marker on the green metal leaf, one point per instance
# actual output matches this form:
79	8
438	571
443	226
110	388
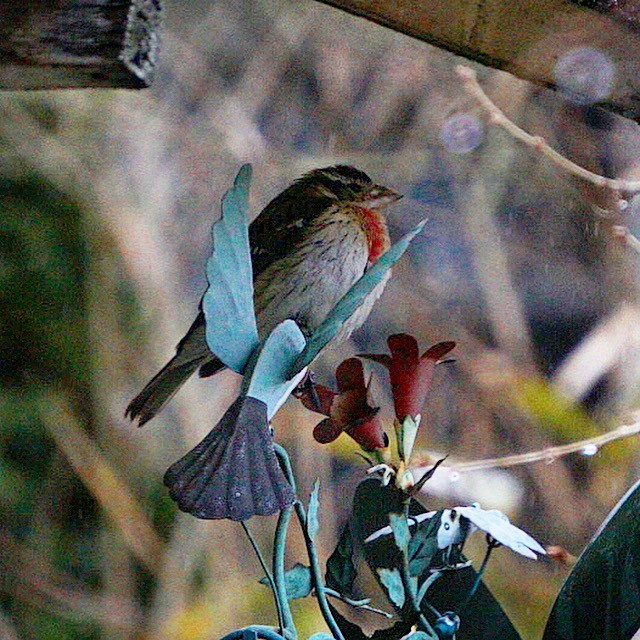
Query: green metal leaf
424	545
297	581
352	300
312	511
400	529
392	582
231	330
601	596
406	440
341	572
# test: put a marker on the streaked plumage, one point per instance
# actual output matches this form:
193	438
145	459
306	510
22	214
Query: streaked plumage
308	246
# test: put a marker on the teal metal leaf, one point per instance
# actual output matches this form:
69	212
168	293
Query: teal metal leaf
341	571
266	374
231	330
601	596
392	582
321	635
400	530
407	433
424	545
352	300
312	511
297	581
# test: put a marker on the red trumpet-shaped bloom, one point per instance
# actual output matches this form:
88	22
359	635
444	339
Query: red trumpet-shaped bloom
410	373
348	410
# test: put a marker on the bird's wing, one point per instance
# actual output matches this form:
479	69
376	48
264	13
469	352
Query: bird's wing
231	330
282	224
266	377
352	300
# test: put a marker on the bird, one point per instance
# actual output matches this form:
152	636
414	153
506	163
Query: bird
308	246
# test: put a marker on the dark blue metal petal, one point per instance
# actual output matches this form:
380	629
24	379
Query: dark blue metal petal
233	473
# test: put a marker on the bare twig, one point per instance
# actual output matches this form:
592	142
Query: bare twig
471	86
549	454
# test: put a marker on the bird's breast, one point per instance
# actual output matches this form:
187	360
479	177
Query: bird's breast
375	227
307	283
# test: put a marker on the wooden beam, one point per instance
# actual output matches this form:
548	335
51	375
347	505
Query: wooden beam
61	44
548	42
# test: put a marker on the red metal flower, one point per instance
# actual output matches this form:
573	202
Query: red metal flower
410	374
348	410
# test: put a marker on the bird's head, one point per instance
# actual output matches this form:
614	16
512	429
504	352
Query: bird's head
347	184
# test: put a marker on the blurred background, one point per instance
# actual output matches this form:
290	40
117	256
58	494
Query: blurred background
107	202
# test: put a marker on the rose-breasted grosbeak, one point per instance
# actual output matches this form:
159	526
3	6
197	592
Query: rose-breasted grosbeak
308	247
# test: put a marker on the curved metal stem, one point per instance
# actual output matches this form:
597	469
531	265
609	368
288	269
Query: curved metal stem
409	588
279	547
316	573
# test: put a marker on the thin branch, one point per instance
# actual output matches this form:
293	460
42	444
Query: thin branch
549	454
471	86
479	200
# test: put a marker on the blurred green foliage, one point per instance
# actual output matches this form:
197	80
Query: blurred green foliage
43	332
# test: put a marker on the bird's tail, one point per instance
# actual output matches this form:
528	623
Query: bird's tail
234	472
192	352
161	388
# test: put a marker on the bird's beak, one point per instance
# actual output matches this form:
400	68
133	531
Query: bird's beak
382	196
393	195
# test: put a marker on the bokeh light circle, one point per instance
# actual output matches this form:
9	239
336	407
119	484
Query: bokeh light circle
462	132
585	75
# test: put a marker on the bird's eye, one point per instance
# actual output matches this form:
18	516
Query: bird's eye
447	526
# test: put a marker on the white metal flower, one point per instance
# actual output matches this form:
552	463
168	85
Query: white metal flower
456	524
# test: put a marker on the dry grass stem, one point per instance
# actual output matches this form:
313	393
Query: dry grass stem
99	476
